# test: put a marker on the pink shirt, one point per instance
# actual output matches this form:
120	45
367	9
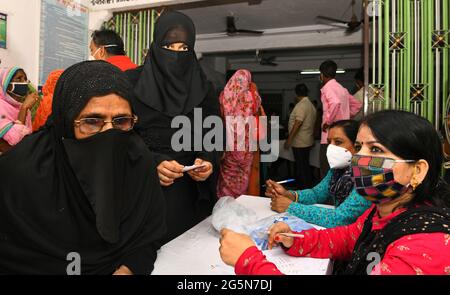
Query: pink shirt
338	104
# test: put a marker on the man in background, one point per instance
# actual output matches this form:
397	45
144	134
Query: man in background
301	135
108	46
338	104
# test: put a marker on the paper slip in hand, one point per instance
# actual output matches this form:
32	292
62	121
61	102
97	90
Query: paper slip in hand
189	168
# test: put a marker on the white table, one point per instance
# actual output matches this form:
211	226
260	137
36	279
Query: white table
196	252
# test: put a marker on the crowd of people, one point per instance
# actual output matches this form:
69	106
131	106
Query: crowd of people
91	167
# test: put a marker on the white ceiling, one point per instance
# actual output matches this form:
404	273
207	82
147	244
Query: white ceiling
210	16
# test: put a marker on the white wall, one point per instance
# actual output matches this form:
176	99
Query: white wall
22	36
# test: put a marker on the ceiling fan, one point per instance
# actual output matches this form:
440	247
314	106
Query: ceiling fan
352	26
266	60
233	31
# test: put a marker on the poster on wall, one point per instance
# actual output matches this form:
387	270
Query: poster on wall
64	39
3	31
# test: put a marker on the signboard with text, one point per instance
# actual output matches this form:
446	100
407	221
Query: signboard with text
64	36
132	4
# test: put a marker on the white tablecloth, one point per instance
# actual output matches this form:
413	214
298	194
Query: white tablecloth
196	252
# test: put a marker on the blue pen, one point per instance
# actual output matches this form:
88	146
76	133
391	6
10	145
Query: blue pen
284	181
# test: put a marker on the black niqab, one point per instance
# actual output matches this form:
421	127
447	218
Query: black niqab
172	82
99	197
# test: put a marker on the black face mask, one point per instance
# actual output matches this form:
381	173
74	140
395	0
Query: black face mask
19	89
172	82
98	163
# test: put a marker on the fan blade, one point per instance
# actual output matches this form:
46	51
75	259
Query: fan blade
352	30
331	19
269	64
337	25
270	59
250	32
254	2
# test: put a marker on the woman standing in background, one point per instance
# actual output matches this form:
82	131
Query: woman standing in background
171	84
16	103
239	99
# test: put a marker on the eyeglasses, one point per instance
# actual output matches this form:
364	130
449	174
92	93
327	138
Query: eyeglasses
92	126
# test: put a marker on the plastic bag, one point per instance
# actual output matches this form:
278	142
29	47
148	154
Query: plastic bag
228	213
259	230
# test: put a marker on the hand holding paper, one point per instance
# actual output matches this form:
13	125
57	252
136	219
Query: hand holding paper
202	172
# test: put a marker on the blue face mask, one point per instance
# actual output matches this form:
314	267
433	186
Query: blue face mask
19	89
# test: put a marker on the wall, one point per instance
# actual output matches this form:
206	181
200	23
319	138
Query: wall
22	36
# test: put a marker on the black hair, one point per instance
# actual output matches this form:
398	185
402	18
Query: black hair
328	68
411	137
301	90
109	37
350	127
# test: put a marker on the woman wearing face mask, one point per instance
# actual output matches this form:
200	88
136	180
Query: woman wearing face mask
16	103
91	202
171	84
337	186
407	229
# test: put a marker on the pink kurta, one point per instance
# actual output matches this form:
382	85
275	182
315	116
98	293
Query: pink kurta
9	112
338	104
237	100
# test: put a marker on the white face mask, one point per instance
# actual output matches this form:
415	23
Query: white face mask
92	57
338	157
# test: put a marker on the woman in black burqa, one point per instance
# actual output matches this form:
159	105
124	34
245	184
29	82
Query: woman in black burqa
98	197
170	84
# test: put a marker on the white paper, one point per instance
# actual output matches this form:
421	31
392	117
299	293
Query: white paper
189	168
291	265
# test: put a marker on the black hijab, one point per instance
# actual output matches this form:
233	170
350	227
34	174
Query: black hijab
172	82
99	196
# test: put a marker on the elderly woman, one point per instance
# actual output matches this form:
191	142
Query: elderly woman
408	225
16	103
88	185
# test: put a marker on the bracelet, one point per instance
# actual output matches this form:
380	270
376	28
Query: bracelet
295	194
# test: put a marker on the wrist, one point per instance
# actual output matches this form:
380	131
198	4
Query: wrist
25	107
241	265
293	195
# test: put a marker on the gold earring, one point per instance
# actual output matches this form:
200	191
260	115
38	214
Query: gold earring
414	184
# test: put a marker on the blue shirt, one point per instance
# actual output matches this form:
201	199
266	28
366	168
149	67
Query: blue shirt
346	213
